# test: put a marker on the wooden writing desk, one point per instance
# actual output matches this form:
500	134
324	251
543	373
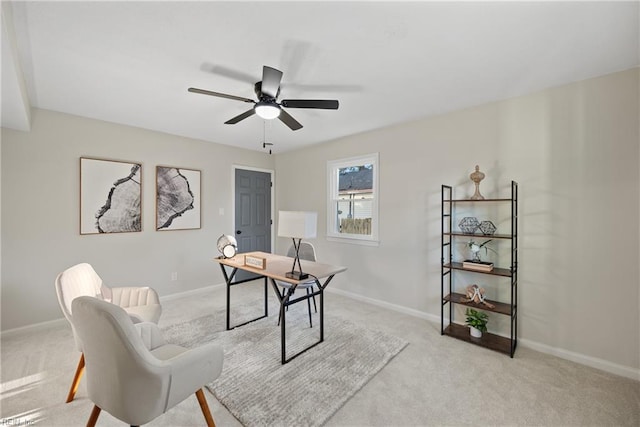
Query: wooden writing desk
276	268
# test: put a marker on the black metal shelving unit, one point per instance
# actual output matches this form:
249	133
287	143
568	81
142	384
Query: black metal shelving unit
495	342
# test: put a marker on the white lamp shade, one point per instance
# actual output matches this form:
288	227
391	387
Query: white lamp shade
297	224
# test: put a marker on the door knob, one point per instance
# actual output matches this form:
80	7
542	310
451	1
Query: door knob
238	232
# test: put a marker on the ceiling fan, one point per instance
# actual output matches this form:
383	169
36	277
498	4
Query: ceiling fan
267	105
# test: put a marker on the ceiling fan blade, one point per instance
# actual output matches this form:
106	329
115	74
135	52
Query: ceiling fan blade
230	73
219	95
271	81
325	104
289	121
239	117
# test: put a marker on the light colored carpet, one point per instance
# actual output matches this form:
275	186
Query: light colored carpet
434	381
259	391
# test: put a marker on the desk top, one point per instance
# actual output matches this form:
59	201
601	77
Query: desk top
279	265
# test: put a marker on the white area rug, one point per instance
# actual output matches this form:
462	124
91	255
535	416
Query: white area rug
259	391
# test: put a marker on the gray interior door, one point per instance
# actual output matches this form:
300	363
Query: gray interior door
253	211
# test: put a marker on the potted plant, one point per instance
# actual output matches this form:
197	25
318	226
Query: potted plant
477	321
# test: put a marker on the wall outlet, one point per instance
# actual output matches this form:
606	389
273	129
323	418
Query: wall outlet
174	276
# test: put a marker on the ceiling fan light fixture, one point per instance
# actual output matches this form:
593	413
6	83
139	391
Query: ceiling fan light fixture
267	110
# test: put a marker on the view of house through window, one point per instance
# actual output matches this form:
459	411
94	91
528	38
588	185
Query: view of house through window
352	210
355	199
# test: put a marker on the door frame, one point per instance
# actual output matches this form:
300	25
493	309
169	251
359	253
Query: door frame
271	173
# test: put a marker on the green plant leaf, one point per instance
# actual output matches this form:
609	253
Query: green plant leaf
477	319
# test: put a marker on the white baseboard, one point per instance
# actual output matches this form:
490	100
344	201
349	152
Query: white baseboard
387	305
192	292
33	328
594	362
57	322
603	365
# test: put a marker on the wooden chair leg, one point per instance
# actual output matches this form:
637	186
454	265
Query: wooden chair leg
205	408
76	379
95	413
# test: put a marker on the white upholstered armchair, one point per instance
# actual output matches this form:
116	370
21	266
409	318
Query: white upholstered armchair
131	372
141	303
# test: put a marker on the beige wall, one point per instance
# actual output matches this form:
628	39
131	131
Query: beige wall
574	151
40	209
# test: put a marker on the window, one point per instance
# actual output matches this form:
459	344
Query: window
352	208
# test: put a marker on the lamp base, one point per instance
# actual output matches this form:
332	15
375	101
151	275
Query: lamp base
297	275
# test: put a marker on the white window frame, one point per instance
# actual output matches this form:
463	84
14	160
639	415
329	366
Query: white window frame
333	166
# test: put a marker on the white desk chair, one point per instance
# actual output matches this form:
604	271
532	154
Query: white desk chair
141	303
132	373
307	252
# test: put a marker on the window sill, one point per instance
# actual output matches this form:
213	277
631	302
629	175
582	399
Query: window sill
353	241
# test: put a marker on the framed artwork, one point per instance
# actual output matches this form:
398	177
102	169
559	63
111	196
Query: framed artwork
110	196
177	198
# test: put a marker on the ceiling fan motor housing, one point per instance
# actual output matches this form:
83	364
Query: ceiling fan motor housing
257	88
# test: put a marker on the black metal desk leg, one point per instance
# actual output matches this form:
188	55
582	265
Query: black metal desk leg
321	287
285	300
266	297
321	315
283	342
228	280
283	347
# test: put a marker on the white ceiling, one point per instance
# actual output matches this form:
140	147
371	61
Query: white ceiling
386	62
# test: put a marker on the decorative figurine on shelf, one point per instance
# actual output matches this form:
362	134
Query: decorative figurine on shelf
475	249
476	177
474	293
468	224
487	228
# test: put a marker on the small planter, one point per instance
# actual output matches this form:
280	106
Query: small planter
475	332
477	322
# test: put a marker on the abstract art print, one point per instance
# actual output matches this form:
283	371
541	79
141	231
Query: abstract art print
177	198
110	196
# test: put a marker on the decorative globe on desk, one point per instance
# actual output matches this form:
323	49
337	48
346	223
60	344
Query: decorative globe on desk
227	246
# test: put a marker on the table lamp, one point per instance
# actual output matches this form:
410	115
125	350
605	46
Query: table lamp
298	225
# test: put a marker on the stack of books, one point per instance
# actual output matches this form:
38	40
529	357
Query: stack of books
477	265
